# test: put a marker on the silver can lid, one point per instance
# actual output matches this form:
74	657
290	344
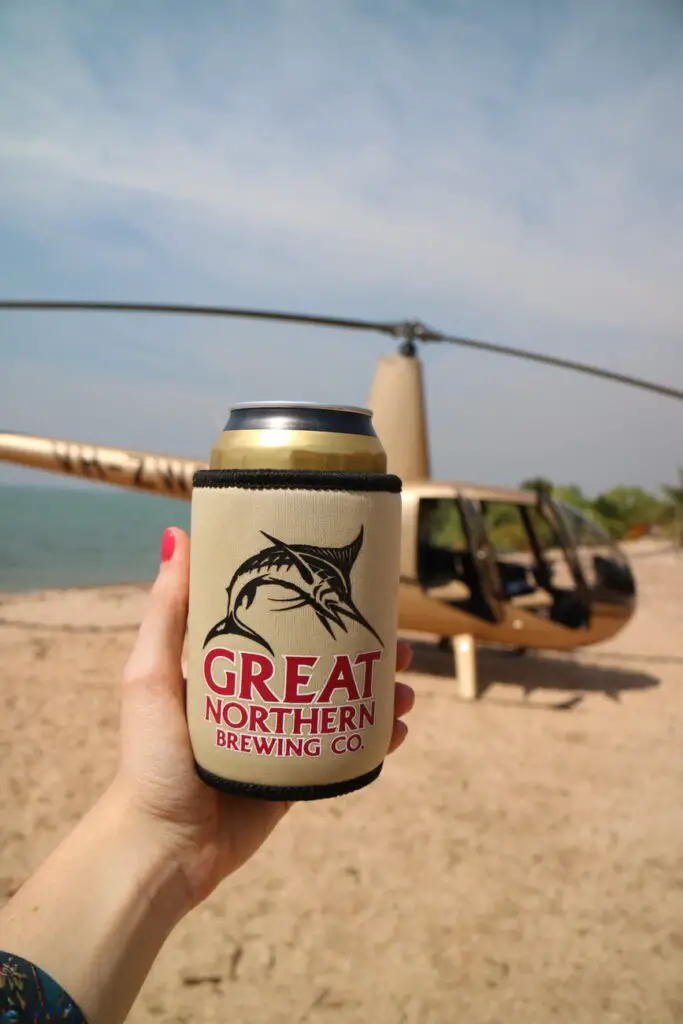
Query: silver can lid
336	419
356	409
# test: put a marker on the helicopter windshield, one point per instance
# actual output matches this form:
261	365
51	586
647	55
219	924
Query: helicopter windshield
603	565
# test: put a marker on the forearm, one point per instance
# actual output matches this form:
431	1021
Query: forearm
97	912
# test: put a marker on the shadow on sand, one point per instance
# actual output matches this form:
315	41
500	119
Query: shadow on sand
534	671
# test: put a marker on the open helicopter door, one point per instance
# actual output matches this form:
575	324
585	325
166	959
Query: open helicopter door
452	559
484	560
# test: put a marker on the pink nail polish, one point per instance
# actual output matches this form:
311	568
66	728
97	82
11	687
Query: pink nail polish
167	545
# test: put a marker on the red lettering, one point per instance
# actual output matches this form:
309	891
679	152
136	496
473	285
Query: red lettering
213	710
354	743
335	745
245	743
301	719
241	712
220	738
228	687
347	718
292	747
312	747
340	678
366	714
368	659
279	714
257	718
231	740
264	746
294	679
257	669
328	720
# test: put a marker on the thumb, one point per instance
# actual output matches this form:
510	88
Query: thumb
158	648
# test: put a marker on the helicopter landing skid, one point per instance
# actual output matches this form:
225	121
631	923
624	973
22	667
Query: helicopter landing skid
465	655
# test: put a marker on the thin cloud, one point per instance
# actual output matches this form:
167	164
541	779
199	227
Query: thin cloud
505	174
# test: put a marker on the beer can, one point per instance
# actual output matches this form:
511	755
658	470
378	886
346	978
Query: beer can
294	573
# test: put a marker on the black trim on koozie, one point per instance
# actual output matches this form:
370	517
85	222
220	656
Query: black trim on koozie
297	479
288	793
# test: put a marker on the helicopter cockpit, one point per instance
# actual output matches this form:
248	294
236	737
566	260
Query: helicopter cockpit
604	568
545	560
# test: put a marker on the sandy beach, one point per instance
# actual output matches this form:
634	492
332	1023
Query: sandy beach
520	860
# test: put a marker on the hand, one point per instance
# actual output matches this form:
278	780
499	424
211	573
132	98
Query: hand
209	833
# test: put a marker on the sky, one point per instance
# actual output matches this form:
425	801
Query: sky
511	172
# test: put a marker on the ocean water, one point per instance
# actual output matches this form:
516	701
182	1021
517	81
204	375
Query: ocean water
54	537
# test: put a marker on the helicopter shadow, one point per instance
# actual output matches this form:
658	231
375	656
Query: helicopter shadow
533	671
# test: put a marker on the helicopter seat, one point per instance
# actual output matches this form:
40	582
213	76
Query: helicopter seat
515	580
444	574
534	601
454	591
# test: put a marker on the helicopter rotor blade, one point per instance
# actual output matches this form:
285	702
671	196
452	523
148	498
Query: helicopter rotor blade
428	335
409	331
394	329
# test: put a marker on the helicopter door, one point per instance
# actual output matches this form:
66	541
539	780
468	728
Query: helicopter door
453	566
484	557
536	575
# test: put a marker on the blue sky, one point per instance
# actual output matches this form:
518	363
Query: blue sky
506	171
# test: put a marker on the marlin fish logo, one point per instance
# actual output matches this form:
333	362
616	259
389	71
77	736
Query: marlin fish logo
316	577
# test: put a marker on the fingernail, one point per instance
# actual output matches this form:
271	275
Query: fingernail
167	545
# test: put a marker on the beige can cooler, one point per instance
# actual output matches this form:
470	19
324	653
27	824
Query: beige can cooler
292	629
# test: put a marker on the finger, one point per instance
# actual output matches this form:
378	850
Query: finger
404	700
159	643
398	735
404	655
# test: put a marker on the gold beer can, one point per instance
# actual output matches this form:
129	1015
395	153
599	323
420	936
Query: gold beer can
293	611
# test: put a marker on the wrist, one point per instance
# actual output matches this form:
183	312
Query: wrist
151	851
97	912
184	847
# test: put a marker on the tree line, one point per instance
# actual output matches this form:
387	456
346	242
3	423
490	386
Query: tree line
624	512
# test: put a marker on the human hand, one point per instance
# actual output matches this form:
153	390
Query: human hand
210	834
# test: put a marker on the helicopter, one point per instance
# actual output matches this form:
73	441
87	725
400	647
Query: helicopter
518	569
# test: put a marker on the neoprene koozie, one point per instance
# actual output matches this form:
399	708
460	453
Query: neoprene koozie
292	629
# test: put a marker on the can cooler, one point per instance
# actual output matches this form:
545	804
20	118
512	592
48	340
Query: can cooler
292	629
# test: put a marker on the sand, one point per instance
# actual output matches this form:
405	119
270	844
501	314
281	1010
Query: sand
519	861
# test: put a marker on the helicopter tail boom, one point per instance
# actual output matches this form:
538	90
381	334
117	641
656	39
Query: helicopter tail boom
121	467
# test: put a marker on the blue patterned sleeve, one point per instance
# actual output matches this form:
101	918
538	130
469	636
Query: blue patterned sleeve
30	996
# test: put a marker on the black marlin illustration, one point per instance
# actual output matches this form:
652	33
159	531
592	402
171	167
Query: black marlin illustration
317	577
